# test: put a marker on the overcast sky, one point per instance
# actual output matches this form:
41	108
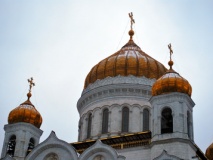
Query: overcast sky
57	42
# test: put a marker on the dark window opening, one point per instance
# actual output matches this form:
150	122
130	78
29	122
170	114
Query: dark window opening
188	124
105	121
166	121
89	125
145	120
125	119
31	145
11	146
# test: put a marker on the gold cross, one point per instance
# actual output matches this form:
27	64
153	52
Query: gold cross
131	19
31	83
171	51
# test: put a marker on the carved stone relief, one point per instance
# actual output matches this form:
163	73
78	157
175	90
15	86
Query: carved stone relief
51	156
99	157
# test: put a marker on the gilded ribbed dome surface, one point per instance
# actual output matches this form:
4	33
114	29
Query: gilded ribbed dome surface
129	60
209	152
25	112
171	81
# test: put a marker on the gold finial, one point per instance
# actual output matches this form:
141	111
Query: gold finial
171	52
31	84
131	32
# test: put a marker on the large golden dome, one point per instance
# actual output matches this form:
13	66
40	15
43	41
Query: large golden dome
26	112
209	152
129	60
171	81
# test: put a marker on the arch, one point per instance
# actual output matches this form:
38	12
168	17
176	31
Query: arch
11	146
166	121
105	120
31	145
51	146
146	120
89	125
165	155
125	120
136	106
100	150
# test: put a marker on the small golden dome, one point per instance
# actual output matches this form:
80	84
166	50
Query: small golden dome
209	152
26	112
129	60
171	81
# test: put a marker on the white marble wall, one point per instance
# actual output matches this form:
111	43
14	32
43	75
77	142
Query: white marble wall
115	118
180	104
23	132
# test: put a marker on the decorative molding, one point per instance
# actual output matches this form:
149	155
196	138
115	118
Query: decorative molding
119	80
113	91
51	156
100	149
52	142
165	155
172	97
118	106
23	126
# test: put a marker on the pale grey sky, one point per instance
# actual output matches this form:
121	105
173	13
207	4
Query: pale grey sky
58	41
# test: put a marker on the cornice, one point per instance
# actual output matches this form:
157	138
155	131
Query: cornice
172	97
119	80
23	126
114	92
116	87
173	140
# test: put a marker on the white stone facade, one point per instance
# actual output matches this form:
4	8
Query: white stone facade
23	132
114	94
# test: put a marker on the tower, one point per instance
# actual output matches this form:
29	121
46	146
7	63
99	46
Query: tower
172	113
22	132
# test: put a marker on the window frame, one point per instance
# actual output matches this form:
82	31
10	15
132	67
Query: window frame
166	120
125	119
105	120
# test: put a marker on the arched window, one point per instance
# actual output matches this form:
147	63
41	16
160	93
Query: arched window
145	120
188	124
105	120
125	119
31	145
166	121
11	146
89	125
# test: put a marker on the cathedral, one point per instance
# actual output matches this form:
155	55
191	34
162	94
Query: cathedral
132	107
